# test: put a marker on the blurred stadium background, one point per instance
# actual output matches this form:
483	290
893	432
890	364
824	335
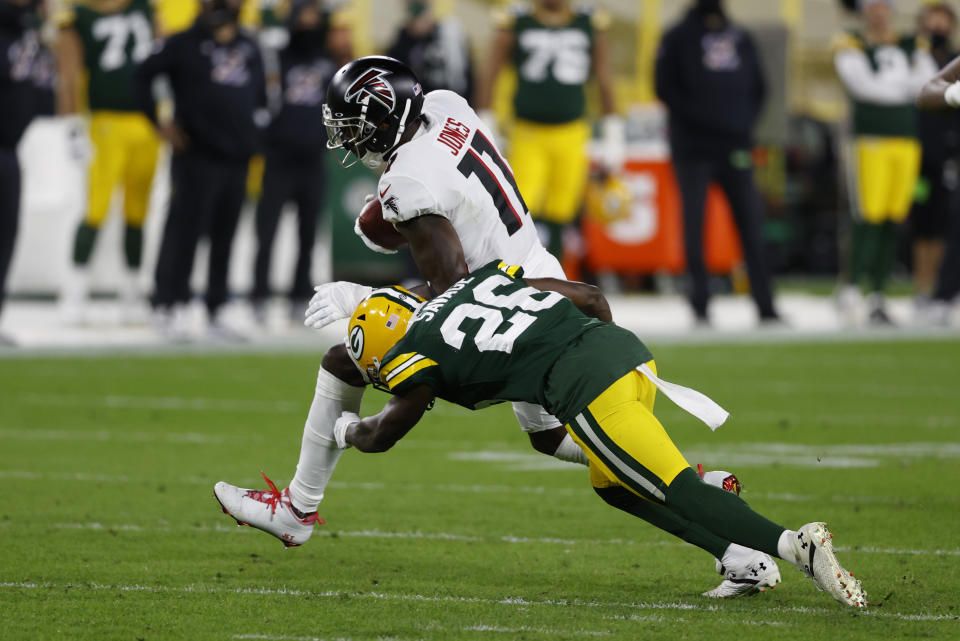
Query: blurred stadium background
800	145
111	436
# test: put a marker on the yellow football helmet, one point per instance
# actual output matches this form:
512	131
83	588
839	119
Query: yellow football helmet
377	324
608	200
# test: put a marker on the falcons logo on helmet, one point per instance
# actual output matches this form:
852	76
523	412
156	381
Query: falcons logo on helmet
373	84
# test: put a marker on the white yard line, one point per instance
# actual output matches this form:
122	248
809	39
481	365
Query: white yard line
164	403
286	637
509	601
448	536
539	490
179	438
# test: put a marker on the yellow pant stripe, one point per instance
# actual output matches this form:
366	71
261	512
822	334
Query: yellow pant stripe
625	468
624	441
885	177
125	150
550	164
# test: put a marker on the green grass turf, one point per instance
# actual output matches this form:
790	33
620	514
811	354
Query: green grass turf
109	529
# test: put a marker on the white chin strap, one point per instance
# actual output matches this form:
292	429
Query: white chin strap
375	160
403	126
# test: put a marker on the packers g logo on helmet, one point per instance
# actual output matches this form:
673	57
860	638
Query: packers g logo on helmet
355	342
377	324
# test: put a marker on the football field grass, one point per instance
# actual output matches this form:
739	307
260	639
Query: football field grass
109	529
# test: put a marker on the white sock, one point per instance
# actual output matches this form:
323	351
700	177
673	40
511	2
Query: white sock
785	546
318	450
568	450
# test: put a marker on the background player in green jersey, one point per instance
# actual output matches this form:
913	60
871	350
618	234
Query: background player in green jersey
493	336
882	72
103	40
556	48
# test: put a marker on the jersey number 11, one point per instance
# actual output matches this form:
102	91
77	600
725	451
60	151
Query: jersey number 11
472	164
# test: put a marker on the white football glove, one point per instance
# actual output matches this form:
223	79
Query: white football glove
78	138
369	243
341	426
613	143
334	301
951	95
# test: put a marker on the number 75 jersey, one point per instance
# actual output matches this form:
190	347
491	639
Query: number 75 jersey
452	168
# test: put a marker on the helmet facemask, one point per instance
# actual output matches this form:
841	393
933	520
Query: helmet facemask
358	136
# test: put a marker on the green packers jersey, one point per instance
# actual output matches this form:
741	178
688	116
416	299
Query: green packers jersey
114	42
553	64
491	337
893	60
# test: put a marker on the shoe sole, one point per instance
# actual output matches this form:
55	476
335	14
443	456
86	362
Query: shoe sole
827	573
761	585
223	508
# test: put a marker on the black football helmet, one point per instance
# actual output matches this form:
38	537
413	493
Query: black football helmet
370	102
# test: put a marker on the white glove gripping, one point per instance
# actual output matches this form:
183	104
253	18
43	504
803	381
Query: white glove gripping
78	138
341	426
952	95
369	243
614	144
334	301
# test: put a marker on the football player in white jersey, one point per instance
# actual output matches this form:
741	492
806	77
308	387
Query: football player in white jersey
451	195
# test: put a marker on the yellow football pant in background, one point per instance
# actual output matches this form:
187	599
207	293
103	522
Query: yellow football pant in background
625	442
886	177
550	164
125	149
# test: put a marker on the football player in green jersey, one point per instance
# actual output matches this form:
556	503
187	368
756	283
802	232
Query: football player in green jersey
104	40
882	72
494	336
556	48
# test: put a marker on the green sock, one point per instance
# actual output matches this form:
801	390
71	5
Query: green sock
661	517
886	253
133	245
871	235
722	513
83	243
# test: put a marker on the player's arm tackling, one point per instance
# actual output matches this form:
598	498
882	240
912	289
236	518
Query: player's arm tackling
378	433
587	298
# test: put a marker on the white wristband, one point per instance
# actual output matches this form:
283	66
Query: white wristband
952	95
341	426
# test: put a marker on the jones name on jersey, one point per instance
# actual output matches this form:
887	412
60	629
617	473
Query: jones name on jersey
452	169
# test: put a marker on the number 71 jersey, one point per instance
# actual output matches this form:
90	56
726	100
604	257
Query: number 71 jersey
453	169
114	42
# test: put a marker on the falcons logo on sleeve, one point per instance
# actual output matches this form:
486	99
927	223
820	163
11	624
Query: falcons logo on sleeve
372	84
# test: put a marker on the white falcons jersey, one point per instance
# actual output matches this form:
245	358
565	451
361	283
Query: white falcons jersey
452	168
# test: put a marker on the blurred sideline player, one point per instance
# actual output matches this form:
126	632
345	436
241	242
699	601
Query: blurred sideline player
882	72
555	49
937	192
940	94
26	91
450	194
553	341
104	40
295	145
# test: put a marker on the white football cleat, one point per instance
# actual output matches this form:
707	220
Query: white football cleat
813	548
744	572
268	510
